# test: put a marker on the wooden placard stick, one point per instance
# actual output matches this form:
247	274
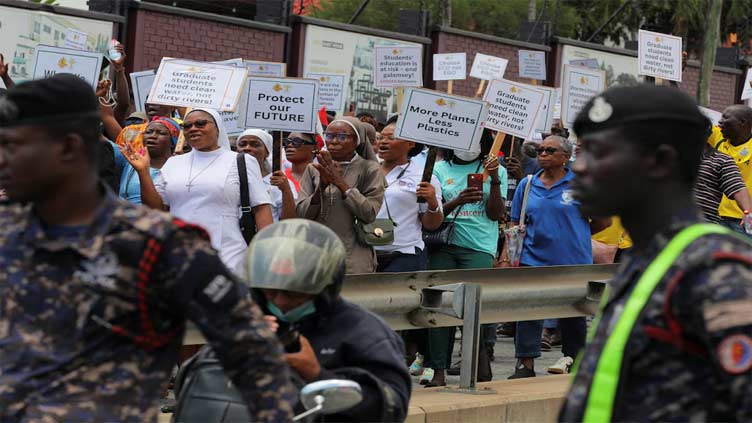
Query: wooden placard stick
180	145
495	148
277	153
481	88
428	170
449	86
400	92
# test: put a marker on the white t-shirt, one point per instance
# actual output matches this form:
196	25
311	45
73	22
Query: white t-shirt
404	207
213	199
276	196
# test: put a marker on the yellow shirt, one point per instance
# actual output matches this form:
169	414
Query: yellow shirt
741	155
614	235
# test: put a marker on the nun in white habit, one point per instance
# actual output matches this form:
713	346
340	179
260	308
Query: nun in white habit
202	187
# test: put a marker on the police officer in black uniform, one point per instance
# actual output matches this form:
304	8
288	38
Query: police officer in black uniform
673	340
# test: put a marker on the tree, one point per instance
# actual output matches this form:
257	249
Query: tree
710	42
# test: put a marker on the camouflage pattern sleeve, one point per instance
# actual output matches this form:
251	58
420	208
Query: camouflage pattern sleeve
714	307
199	286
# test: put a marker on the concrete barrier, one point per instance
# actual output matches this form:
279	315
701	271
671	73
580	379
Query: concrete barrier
535	400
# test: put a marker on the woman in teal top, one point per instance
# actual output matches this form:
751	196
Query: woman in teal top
476	214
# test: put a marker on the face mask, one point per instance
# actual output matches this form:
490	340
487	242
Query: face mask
292	316
466	156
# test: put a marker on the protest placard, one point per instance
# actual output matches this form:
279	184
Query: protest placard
187	83
557	106
660	55
578	86
711	114
442	120
141	83
283	104
546	116
331	89
75	39
258	68
513	107
449	66
398	66
532	64
488	67
747	90
591	63
49	60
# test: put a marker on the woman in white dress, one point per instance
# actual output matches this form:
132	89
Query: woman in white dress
258	143
203	188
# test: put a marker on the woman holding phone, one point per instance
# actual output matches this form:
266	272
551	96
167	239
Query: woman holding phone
476	206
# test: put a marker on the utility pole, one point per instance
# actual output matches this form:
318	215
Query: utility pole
446	12
531	10
709	44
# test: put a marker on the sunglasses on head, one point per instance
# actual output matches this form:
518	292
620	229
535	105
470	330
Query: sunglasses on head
547	150
340	136
297	142
200	123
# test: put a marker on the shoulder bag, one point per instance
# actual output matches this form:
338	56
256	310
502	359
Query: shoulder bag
516	236
247	221
380	232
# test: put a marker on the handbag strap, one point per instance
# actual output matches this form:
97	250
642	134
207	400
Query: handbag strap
245	201
524	199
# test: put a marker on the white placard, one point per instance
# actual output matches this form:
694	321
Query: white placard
747	90
578	87
513	107
331	88
532	64
557	106
442	120
49	60
546	116
187	83
488	67
282	104
141	83
449	66
398	66
75	40
711	114
258	68
660	55
591	63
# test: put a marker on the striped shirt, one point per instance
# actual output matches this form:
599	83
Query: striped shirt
718	175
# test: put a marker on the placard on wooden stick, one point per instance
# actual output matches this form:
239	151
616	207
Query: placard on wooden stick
49	60
660	55
487	67
578	86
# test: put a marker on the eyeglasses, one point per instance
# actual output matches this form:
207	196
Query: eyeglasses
547	150
297	142
341	136
200	123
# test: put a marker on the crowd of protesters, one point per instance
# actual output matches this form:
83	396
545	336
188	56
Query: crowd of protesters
362	178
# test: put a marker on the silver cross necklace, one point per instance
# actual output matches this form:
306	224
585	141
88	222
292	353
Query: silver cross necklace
189	185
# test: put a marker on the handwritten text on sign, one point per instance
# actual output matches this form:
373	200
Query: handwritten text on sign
187	83
49	61
449	66
513	108
441	120
578	87
398	66
660	55
331	88
283	104
488	67
532	64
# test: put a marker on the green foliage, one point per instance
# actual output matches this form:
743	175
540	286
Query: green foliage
47	2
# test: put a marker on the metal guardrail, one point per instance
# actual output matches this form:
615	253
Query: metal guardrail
508	295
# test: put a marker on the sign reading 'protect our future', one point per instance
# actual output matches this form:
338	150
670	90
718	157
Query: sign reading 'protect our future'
441	120
282	104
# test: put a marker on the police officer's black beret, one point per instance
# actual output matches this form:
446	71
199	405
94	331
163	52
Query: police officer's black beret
643	103
57	99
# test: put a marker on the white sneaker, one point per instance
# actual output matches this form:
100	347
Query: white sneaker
426	377
562	366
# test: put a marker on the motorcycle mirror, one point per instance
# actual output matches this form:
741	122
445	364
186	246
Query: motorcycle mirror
331	396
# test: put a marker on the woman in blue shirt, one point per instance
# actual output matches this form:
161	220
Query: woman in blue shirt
160	137
556	234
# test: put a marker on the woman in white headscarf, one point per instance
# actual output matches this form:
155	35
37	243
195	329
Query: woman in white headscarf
258	143
203	187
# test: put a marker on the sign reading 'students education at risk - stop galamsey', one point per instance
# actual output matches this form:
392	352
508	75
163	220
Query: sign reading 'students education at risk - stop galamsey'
441	120
282	104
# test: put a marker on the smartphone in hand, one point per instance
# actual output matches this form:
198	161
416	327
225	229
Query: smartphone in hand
475	180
